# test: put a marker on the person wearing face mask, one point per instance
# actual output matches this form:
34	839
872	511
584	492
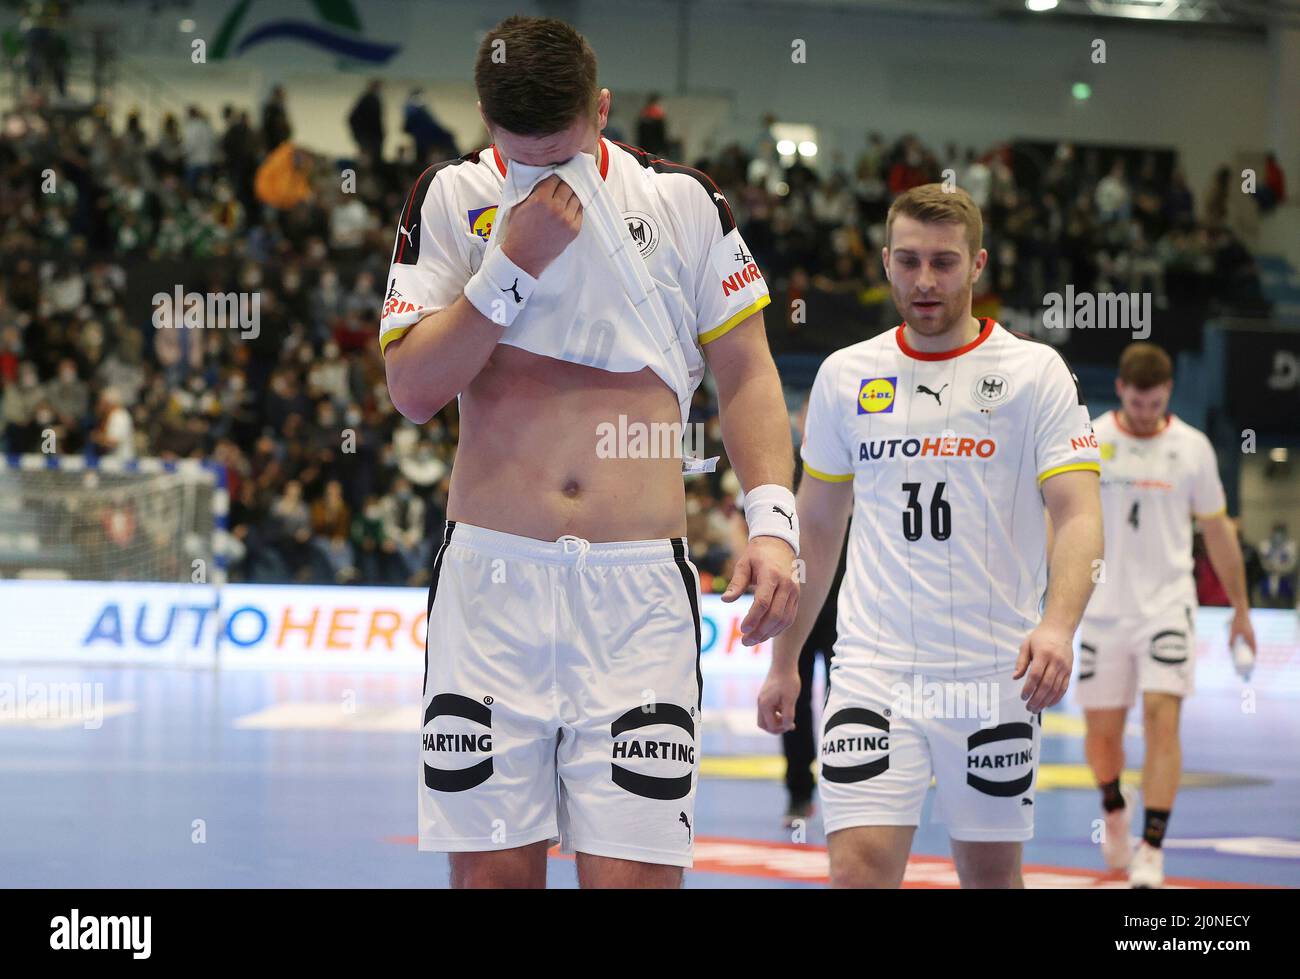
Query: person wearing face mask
403	516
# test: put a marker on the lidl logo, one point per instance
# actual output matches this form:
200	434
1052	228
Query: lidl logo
480	220
876	395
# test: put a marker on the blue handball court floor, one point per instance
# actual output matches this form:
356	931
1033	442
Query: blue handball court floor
158	776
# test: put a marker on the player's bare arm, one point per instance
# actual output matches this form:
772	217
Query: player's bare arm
756	432
824	510
1225	557
1046	656
438	357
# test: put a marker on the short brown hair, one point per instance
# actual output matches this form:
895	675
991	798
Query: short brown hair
543	80
931	203
1144	365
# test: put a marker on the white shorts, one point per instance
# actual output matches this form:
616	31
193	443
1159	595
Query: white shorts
886	732
1118	657
562	696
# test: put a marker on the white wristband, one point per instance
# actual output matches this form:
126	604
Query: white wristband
500	288
770	512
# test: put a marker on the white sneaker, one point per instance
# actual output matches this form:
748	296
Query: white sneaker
1148	867
1116	845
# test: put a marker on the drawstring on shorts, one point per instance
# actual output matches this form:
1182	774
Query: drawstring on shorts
580	548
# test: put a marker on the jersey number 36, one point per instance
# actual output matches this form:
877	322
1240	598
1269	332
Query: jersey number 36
914	516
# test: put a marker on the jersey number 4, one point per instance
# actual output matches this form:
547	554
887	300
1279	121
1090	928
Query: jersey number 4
914	517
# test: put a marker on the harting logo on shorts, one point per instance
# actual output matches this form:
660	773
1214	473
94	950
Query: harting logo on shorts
462	744
1003	757
655	757
850	742
1170	647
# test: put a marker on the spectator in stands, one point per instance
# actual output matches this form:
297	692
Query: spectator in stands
199	147
275	119
429	136
1278	556
652	126
366	123
331	525
1114	203
289	528
1179	206
114	436
283	181
69	396
403	515
1273	190
976	179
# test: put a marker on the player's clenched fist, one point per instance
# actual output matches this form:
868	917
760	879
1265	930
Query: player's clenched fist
542	225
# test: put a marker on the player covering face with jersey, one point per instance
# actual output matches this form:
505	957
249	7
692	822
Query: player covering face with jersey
562	696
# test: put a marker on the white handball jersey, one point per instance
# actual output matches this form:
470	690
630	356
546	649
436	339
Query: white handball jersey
677	217
947	546
1151	487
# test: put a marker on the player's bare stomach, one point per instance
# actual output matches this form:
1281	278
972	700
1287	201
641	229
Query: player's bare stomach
531	462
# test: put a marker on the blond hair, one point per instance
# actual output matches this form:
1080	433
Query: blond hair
931	203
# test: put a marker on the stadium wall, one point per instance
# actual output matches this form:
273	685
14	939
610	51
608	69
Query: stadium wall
971	81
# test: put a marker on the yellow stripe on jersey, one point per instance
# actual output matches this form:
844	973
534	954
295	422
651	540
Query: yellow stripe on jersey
386	338
734	321
826	477
1210	516
1092	467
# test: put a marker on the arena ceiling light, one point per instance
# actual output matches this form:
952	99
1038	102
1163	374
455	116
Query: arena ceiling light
1040	6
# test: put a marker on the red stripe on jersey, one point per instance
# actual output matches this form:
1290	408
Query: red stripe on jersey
405	216
680	167
904	346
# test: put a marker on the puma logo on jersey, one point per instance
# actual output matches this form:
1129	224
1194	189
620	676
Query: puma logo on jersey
407	234
922	389
681	818
784	514
512	288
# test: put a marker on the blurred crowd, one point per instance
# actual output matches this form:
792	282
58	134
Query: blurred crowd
327	482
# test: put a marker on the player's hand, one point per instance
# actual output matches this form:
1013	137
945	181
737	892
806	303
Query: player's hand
1241	627
776	701
542	225
767	565
1047	655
